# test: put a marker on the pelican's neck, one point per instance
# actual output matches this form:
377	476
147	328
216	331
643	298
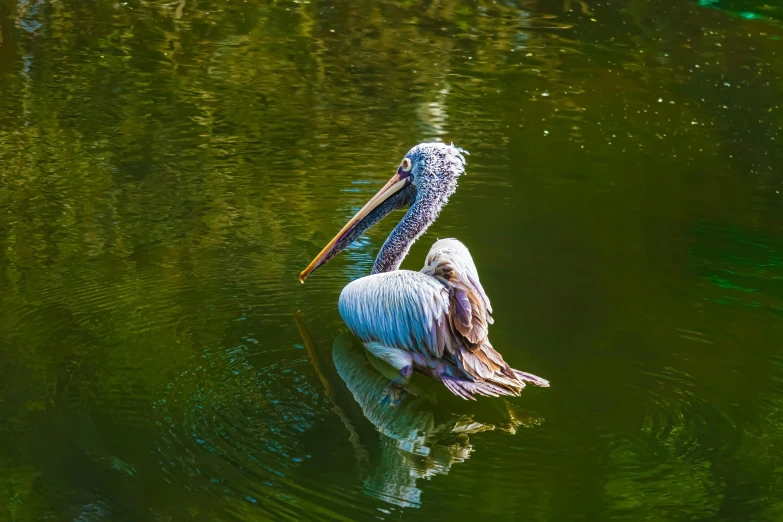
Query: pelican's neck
415	222
436	183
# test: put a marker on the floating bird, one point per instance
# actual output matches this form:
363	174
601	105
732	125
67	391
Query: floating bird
434	321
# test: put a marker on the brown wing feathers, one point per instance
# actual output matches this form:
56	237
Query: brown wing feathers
469	314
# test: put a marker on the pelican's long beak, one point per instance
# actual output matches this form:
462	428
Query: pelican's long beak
397	183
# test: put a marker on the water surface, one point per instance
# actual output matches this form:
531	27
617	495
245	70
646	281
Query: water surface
168	168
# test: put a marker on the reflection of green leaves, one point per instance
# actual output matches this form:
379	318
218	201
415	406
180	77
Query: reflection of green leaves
724	283
748	10
743	261
661	483
18	498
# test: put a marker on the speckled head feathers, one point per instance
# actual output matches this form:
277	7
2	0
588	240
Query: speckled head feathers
436	164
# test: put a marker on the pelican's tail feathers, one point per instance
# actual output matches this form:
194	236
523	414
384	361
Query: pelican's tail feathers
529	377
468	389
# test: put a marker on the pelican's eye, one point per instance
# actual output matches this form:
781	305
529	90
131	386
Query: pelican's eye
406	165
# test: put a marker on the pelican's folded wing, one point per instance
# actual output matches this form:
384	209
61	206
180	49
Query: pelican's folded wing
450	262
470	312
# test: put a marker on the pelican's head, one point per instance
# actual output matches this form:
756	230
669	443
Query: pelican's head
433	169
426	177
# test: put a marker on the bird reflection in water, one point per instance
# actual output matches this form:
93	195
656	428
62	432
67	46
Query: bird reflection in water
421	434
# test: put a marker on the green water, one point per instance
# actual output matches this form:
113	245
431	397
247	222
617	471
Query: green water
168	168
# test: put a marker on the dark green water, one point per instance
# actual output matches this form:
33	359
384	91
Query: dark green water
167	169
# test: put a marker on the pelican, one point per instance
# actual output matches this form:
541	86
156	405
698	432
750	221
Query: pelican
434	321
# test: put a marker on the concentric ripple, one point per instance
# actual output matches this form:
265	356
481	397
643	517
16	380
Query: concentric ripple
244	429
